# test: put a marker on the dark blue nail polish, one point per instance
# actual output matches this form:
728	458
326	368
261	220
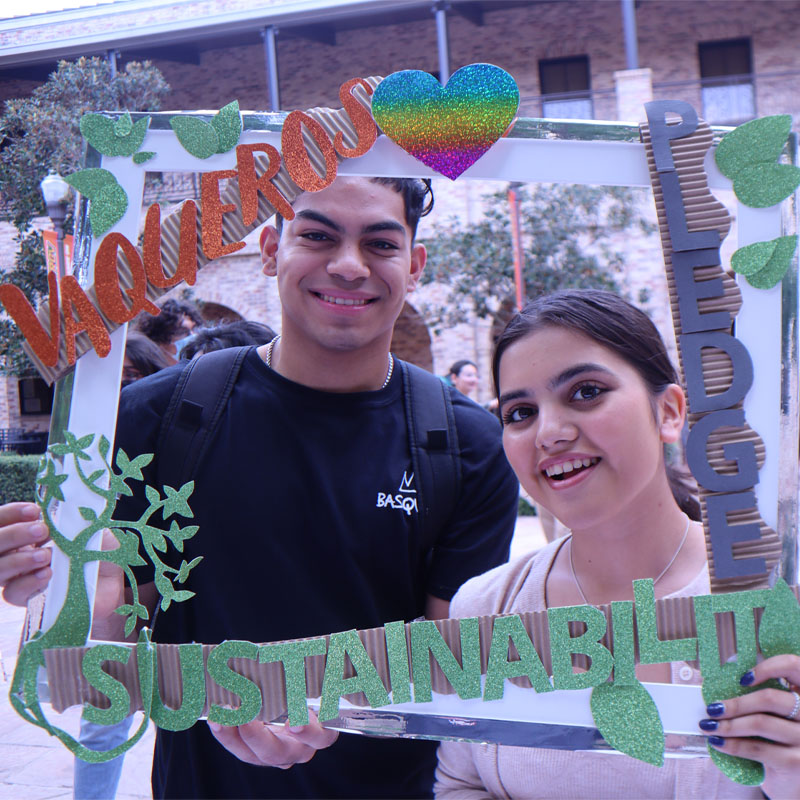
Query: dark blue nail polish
715	709
709	724
748	678
716	741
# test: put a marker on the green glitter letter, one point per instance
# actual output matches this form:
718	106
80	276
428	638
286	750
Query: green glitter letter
500	667
335	685
397	651
117	694
426	640
651	649
562	645
193	679
293	655
622	630
249	694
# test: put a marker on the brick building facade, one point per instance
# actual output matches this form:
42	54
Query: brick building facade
598	59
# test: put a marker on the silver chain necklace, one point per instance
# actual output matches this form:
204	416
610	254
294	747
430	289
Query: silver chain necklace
655	581
271	347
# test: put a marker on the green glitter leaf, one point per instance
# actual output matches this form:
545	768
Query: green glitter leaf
753	258
740	770
198	138
757	141
765	185
228	125
90	182
106	137
107	208
628	720
772	273
144	155
123	126
779	631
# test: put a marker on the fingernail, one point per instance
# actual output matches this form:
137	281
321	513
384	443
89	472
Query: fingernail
41	574
709	724
716	741
215	726
41	556
38	531
747	678
715	709
30	512
295	728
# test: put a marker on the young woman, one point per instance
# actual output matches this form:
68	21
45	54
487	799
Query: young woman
589	399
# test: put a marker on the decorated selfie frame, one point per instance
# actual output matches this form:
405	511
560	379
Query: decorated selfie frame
532	151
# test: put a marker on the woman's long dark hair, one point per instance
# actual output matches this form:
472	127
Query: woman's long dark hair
621	327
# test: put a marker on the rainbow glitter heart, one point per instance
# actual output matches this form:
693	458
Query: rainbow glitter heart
447	128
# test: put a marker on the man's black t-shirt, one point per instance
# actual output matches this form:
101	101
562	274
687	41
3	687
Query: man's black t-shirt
306	529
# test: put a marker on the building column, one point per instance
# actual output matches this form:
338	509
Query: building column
634	88
440	12
271	59
629	29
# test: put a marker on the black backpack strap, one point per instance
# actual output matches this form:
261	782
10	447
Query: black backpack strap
433	441
194	413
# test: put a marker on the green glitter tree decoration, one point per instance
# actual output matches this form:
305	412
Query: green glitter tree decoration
72	625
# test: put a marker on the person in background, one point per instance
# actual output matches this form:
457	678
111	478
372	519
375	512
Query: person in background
589	400
464	376
227	334
176	322
143	357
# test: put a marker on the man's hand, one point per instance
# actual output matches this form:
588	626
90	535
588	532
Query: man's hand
273	745
24	563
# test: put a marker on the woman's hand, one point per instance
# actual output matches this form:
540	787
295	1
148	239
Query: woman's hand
274	745
763	726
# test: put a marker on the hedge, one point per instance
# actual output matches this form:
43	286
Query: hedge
18	477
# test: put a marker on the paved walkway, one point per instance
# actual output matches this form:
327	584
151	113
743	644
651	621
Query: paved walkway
34	766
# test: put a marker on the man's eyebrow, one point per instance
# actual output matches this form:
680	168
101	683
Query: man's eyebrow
315	216
573	372
388	225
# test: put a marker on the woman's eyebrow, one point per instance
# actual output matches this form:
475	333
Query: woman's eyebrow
508	396
573	372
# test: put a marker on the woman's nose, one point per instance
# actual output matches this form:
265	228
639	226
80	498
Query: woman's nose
553	428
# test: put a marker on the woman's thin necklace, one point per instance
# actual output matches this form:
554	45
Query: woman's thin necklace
273	342
655	581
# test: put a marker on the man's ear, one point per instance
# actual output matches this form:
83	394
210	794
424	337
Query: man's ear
672	413
269	240
419	255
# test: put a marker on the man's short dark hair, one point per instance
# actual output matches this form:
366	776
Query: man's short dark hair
417	199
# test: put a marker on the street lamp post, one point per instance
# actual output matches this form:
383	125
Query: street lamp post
55	191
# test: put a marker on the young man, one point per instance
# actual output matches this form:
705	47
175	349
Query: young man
294	542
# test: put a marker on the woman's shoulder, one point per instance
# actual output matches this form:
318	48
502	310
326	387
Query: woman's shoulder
495	591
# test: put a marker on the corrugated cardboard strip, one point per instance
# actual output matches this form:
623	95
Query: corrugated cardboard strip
674	616
704	212
233	229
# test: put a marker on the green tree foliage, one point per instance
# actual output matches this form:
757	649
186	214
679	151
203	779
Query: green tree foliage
40	133
566	237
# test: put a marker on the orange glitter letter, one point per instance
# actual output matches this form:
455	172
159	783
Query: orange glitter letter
211	215
74	299
20	310
108	286
361	118
297	158
187	249
250	185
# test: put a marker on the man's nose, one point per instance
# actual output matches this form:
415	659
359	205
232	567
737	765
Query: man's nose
348	263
